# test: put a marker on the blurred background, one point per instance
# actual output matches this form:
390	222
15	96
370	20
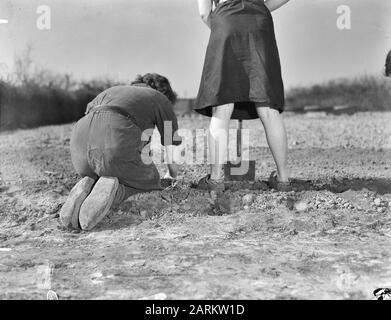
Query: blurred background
48	76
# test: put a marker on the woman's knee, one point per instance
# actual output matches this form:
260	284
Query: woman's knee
223	112
267	113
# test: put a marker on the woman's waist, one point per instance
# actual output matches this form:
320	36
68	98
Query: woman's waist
114	109
219	2
241	7
232	18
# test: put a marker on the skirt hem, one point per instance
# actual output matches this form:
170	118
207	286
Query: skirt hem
242	109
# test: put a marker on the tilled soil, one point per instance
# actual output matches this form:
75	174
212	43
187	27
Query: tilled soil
330	238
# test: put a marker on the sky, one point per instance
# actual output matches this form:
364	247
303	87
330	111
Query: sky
122	38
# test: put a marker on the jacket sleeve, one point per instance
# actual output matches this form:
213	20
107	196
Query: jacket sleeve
167	123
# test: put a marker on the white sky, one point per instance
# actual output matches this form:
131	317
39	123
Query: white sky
121	38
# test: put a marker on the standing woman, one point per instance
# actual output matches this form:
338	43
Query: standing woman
241	79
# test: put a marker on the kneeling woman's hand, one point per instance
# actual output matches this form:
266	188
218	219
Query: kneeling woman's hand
169	180
173	168
172	172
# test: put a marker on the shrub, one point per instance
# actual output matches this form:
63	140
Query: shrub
364	93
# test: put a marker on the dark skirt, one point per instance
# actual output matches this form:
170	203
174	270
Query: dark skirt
242	64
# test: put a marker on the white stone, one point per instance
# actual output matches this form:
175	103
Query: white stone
301	206
248	199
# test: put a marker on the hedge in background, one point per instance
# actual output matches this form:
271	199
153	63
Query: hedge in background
29	104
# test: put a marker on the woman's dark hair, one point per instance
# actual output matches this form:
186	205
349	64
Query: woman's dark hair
388	65
157	82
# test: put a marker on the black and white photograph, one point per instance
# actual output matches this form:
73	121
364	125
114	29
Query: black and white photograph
219	150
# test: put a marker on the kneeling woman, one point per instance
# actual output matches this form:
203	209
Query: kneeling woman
107	148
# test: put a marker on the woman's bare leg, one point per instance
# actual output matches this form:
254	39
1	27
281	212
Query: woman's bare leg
277	139
218	139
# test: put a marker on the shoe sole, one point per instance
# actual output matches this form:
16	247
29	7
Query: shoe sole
206	185
96	206
69	213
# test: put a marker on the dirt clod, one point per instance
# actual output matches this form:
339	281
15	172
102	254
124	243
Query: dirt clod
248	199
301	206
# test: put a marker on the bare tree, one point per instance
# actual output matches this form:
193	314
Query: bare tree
23	66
